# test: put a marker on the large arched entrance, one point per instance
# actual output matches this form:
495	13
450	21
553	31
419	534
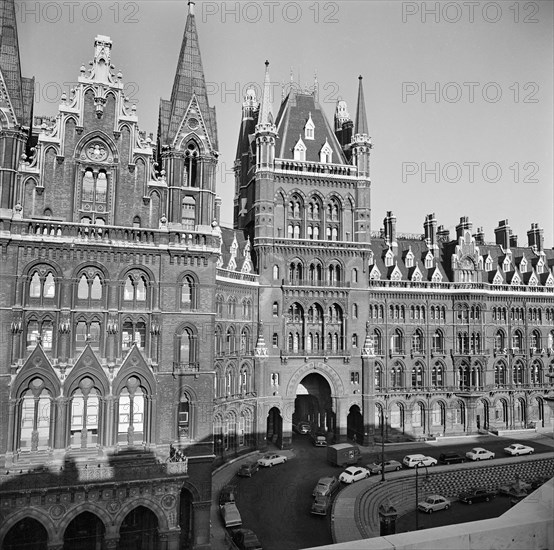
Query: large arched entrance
185	519
85	532
139	530
355	425
274	426
313	403
27	534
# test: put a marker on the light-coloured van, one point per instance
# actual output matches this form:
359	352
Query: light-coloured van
411	461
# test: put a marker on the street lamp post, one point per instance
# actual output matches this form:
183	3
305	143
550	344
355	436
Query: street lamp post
385	419
417	491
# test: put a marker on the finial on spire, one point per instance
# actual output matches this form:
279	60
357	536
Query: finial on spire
361	127
266	63
191	4
266	114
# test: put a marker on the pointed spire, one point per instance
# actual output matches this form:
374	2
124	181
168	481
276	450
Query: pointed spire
189	81
266	112
361	127
10	65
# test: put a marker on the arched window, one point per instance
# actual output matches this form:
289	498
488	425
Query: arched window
438	342
231	340
417	342
397	342
87	332
42	286
219	305
378	377
245	344
517	341
190	177
187	348
85	411
131	413
437	375
40	331
36	411
500	374
499	341
397	376
188	294
377	342
183	418
218	341
417	376
275	272
232	307
418	415
397	416
134	290
437	414
535	340
518	373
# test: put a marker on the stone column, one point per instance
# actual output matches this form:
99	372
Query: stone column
368	388
111	542
170	539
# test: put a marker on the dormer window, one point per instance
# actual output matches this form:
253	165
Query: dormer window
429	260
540	266
300	150
389	258
309	128
506	265
488	264
523	265
326	153
409	260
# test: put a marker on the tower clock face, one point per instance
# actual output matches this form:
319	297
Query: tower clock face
193	123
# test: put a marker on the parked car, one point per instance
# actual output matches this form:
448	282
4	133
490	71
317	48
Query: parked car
478	453
326	486
230	515
271	459
319	439
390	466
248	469
516	449
451	458
411	461
434	503
227	494
302	427
354	473
246	539
476	495
321	505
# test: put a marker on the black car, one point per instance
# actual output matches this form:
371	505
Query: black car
227	494
247	470
245	539
476	495
451	458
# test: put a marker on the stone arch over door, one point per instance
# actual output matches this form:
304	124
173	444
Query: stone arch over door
355	424
27	533
482	414
274	426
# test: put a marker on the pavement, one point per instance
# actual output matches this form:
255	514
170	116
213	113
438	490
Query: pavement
345	503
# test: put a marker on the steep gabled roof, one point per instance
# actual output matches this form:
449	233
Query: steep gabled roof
291	120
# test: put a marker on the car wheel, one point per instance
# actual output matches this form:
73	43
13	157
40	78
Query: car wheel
367	475
470	501
430	511
397	469
432	464
491	457
530	452
271	464
487	499
447	506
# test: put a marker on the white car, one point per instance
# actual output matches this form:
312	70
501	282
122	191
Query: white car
270	460
478	453
411	461
354	473
516	449
433	503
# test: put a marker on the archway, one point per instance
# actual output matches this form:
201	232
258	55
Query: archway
185	519
313	403
482	415
85	532
27	534
275	426
139	530
355	424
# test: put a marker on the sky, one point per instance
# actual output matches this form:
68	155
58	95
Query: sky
459	94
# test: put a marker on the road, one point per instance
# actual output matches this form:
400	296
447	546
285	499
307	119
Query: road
275	503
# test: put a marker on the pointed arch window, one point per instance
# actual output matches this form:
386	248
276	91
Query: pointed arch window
183	418
135	290
437	375
188	294
190	177
42	285
131	413
36	411
87	332
85	411
133	333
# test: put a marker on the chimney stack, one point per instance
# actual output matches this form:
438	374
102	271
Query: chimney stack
535	237
390	229
502	234
430	230
480	236
462	226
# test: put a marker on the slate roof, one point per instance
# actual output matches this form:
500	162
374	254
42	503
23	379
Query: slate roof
291	119
10	64
228	235
189	80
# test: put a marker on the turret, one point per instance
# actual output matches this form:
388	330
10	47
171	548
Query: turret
266	131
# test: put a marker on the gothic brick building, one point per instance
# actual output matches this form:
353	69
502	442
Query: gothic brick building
146	343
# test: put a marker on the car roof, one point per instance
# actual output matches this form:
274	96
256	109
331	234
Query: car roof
478	449
414	456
